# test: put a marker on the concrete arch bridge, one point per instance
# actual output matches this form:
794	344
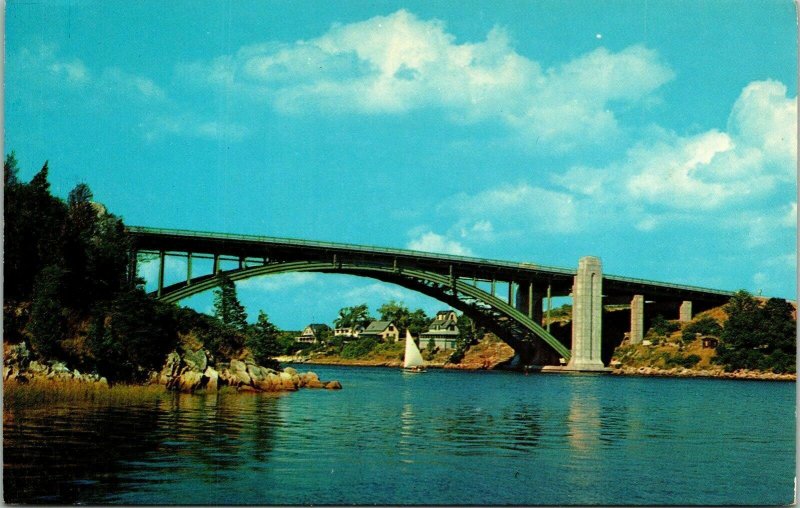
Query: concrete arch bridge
505	297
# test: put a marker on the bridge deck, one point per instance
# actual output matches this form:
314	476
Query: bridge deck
560	279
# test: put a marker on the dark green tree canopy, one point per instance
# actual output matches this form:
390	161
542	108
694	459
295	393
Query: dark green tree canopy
227	307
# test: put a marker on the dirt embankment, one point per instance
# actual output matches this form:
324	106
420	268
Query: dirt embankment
488	354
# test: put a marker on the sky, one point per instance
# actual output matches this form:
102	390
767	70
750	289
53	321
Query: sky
658	136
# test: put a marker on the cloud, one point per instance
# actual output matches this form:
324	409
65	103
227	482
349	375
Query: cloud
715	169
161	126
508	206
738	177
428	241
398	63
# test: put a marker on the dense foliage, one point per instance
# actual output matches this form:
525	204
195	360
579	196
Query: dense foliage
350	317
70	260
415	322
705	326
758	336
262	341
69	295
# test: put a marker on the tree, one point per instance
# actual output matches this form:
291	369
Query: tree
756	336
418	322
226	304
131	335
350	317
262	341
47	324
704	326
10	171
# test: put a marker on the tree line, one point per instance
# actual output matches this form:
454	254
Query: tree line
69	296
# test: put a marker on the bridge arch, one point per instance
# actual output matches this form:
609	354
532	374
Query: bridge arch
510	324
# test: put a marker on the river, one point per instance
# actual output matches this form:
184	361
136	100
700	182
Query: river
443	437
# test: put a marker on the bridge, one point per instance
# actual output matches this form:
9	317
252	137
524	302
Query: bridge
505	297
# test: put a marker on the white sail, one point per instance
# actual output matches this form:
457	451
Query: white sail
413	358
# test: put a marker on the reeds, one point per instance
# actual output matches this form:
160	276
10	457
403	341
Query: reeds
39	393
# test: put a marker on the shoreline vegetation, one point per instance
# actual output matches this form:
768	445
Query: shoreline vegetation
74	315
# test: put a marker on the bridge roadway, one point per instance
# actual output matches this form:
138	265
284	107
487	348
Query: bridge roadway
273	248
452	279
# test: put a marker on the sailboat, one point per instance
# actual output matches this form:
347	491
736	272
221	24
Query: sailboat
412	361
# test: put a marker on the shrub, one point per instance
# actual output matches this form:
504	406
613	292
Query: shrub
661	326
704	326
359	348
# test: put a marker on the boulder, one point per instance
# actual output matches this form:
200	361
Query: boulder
190	380
247	388
291	371
314	383
334	385
239	371
196	360
38	368
211	379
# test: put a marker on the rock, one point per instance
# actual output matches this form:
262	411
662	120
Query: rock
190	380
38	368
59	368
196	360
247	388
257	373
314	383
334	385
310	376
239	371
211	379
291	371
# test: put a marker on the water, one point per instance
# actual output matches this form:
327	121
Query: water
436	438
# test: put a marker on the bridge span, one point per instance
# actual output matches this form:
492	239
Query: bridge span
469	284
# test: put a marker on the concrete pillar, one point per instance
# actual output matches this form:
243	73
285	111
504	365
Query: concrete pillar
529	301
215	265
161	261
685	312
587	315
511	293
637	319
188	268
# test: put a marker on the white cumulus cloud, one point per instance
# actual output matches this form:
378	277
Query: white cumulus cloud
428	241
398	63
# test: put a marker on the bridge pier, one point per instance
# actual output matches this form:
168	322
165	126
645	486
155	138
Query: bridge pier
587	316
529	301
685	312
637	319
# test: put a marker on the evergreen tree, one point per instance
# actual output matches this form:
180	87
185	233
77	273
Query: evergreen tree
262	341
47	324
226	304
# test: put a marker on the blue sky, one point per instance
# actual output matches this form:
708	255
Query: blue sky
660	136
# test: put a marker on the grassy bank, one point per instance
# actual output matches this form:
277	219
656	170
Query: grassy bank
47	392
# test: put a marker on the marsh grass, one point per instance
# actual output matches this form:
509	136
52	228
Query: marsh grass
39	393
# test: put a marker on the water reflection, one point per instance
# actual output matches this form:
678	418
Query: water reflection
55	455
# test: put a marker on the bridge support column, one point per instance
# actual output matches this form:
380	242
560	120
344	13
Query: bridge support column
529	301
188	268
685	312
132	260
161	259
587	315
637	319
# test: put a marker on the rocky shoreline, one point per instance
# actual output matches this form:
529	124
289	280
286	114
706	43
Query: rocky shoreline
191	372
703	373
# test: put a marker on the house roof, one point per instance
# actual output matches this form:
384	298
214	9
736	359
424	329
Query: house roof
377	326
317	327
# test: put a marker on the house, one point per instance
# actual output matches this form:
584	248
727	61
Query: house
385	331
311	333
348	333
443	330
